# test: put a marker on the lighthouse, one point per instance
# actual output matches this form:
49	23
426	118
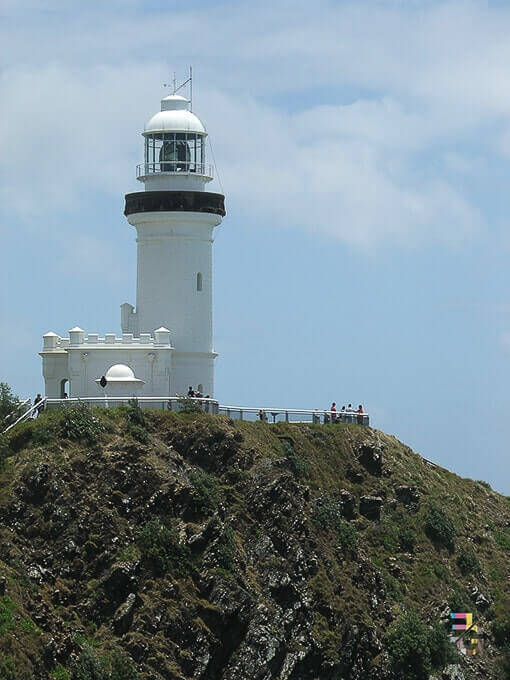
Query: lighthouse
167	337
175	217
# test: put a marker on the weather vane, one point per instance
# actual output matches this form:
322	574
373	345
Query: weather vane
176	88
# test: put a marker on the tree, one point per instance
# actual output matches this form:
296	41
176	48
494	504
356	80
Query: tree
408	647
9	402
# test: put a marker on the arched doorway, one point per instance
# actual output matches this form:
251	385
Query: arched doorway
64	388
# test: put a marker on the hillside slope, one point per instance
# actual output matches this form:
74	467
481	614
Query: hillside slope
160	545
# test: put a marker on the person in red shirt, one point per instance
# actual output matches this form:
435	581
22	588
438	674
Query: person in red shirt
333	412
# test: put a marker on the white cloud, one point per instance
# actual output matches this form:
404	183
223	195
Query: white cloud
413	79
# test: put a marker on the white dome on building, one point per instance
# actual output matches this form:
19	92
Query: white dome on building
120	373
174	117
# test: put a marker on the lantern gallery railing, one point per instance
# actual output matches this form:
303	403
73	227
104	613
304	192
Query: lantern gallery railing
145	169
271	415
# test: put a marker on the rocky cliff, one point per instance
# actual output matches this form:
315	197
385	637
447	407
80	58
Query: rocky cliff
186	546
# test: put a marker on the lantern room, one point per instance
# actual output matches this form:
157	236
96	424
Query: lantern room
174	149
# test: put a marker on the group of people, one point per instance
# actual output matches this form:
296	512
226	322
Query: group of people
339	415
196	394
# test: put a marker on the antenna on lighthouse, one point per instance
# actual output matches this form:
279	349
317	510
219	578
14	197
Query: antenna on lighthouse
176	88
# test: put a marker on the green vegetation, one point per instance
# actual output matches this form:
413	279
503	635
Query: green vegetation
207	492
415	649
327	516
92	666
296	463
7	609
225	549
8	403
59	673
136	421
440	528
327	512
501	631
468	562
162	549
407	539
189	405
81	423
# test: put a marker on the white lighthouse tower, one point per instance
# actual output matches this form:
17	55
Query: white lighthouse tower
167	342
175	218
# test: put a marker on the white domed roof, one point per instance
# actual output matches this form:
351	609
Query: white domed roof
119	372
174	117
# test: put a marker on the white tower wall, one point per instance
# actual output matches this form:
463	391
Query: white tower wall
174	261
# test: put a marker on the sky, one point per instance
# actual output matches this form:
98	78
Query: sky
364	152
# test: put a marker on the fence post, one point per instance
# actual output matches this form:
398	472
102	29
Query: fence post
240	414
286	416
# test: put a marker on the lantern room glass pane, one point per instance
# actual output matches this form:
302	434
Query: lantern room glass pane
174	152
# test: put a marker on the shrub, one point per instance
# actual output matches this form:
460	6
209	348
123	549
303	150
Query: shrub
296	463
327	512
136	421
442	652
459	601
7	609
503	666
134	414
207	492
408	647
407	539
439	527
189	405
347	536
501	631
327	515
162	549
122	667
7	669
468	562
59	673
139	433
89	666
225	549
80	423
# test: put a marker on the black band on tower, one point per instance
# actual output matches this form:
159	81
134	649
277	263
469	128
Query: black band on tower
178	201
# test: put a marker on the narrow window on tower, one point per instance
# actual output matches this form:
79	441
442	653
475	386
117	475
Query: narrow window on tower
199	281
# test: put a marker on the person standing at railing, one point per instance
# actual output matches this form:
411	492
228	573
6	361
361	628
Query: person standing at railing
38	410
359	415
333	412
191	392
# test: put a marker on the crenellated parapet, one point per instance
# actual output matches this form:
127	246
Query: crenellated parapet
77	338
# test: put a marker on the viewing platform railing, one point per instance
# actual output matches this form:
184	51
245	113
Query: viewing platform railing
251	413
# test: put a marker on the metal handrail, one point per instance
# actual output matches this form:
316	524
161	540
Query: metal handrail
36	407
213	406
174	167
317	416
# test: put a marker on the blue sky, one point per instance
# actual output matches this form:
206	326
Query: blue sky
364	151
